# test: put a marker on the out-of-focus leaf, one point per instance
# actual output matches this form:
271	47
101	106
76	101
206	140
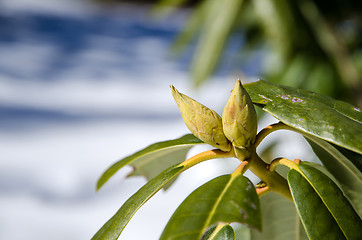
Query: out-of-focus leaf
322	78
329	42
220	19
153	159
168	4
280	218
277	20
320	116
220	232
324	211
193	24
342	169
114	226
228	198
296	71
242	232
164	8
310	73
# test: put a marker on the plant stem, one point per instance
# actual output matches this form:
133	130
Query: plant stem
207	155
283	161
263	190
274	181
241	169
267	130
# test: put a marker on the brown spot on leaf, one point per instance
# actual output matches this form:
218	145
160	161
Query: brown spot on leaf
296	100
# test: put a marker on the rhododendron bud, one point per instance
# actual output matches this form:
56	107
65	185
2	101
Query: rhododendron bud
202	121
240	120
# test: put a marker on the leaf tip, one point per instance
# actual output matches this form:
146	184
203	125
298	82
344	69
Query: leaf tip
99	185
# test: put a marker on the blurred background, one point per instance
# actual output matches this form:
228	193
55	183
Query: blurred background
84	83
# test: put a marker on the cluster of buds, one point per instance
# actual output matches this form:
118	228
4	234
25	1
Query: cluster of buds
237	128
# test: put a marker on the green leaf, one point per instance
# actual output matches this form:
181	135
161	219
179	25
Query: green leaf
151	165
278	22
214	33
242	232
173	4
163	8
114	226
354	157
151	160
321	116
324	210
329	42
228	198
280	218
190	30
342	169
220	232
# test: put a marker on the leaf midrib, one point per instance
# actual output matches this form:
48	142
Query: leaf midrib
217	202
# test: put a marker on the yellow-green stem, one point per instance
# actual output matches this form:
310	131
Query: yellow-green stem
283	161
207	155
241	169
267	130
274	181
263	190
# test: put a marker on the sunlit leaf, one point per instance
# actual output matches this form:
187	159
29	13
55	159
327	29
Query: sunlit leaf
114	226
324	210
228	198
321	116
220	232
153	159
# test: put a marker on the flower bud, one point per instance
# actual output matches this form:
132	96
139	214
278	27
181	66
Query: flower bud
203	122
239	119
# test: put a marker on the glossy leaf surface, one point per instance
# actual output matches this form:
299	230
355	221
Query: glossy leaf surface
114	226
324	211
321	116
153	159
280	220
220	232
228	198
